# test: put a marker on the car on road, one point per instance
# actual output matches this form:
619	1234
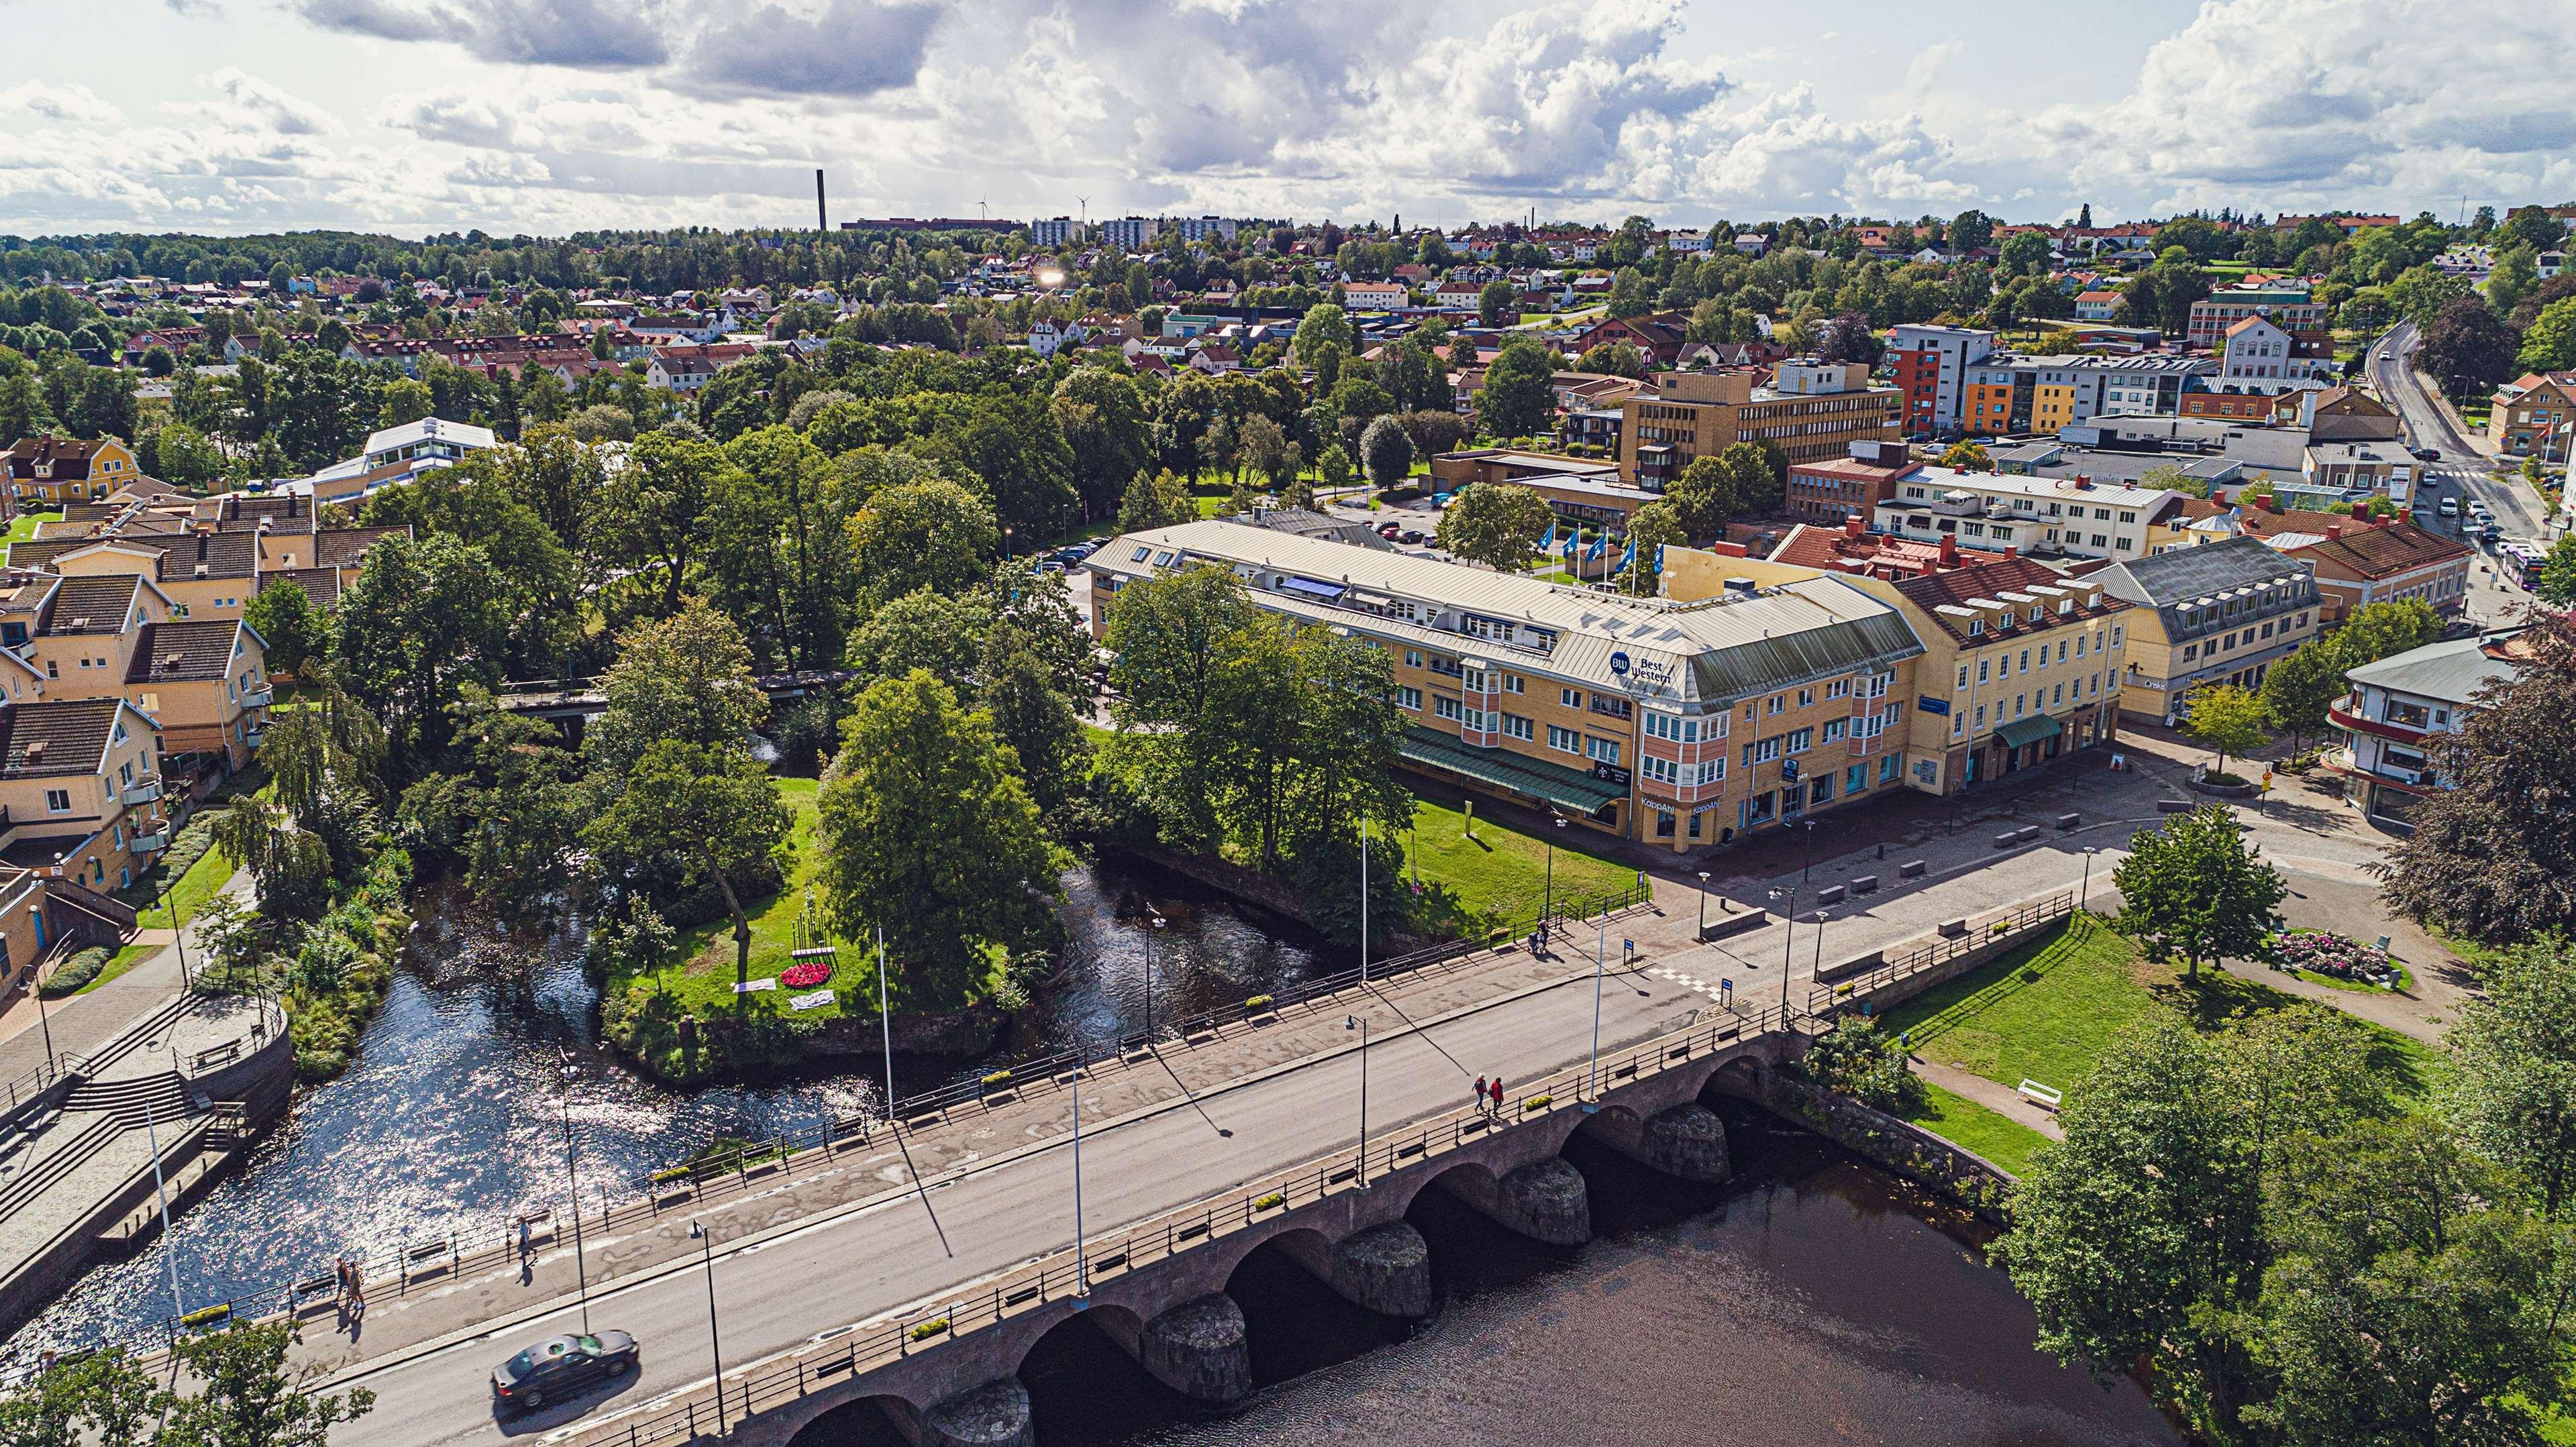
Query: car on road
2428	454
2383	356
2450	507
1410	537
2489	534
561	1367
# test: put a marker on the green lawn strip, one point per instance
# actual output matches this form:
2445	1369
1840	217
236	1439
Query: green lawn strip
124	960
23	527
703	980
1501	875
2046	1009
2405	981
1964	1123
203	880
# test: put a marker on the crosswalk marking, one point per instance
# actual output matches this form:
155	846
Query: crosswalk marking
1687	982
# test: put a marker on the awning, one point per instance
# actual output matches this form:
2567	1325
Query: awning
1313	589
2023	731
1555	784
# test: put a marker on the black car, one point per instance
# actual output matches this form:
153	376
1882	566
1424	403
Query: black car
2428	454
559	1367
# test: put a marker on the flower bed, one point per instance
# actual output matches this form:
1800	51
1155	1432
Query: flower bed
805	974
2335	956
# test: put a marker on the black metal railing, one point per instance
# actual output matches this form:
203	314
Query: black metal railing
1824	999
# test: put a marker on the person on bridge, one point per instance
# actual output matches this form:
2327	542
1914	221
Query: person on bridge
1479	1093
1498	1095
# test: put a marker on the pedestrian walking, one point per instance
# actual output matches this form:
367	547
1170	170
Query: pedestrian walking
1480	1092
1498	1095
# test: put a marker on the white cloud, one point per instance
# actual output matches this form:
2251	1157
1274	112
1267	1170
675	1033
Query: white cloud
76	103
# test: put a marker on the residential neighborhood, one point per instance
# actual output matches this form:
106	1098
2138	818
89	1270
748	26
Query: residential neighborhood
859	724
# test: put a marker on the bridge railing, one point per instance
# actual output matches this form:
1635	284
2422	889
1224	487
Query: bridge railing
494	1241
1825	999
1067	1272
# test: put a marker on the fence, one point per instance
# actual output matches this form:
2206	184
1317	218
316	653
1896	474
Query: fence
1063	1273
495	1242
1824	999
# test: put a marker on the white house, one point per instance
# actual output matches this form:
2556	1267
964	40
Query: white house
1373	295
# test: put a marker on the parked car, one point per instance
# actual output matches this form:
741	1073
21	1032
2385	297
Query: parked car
2489	534
559	1367
1071	555
2450	507
1390	531
1410	537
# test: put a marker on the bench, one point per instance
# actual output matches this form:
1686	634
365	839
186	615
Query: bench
1910	869
2008	839
2048	1096
2069	821
1952	929
2174	806
1830	894
1864	884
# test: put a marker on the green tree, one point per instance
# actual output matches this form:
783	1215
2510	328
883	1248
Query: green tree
714	807
2557	582
778	555
1967	457
514	815
2516	274
246	1397
2298	690
1034	713
1716	487
288	623
932	534
1498	304
1617	359
1971	231
2467	349
2549	343
2194	888
425	617
402	401
23	409
1387	453
103	1398
927	830
1651	529
1333	467
687	677
1495	524
1325	324
1155	500
652	510
1519	395
2229	719
2513	1086
2534	227
937	633
2410	1298
182	456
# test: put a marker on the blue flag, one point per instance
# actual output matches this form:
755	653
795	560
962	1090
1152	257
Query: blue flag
1630	560
1600	545
1573	540
1547	544
1659	557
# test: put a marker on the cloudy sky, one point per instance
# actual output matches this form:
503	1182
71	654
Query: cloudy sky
411	116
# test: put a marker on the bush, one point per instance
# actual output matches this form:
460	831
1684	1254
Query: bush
76	972
1853	1060
929	1329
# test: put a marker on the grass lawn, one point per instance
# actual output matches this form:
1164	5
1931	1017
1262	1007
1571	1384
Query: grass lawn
1999	1138
1501	875
24	526
194	888
703	980
2046	1011
126	959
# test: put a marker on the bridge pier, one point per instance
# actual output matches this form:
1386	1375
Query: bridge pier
1544	1200
1687	1141
995	1414
1198	1349
1385	1269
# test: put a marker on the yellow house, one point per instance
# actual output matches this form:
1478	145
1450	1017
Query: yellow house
2219	614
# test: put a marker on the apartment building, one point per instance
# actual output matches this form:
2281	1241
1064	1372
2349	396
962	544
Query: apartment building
2257	357
1844	487
2074	516
1931	365
2217	614
2020	665
203	683
1130	233
1812	412
2532	415
56	470
2393	719
1681	723
2287	307
2010	394
208	557
1057	231
80	792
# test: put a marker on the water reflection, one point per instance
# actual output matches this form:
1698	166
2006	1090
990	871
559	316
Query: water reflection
453	1116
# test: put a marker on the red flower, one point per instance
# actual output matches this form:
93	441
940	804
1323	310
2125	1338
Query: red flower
805	975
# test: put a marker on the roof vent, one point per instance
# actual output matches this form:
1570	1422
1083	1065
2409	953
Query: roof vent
36	751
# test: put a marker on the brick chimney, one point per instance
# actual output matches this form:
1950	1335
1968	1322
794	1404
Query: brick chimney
2333	531
2012	550
1852	526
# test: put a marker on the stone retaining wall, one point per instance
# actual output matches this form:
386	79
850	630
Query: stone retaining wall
1901	1146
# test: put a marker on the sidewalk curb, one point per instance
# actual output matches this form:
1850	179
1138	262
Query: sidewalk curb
494	1325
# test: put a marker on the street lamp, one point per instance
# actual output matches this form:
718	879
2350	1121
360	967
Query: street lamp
1600	947
1556	821
1081	1272
706	1240
2087	898
1788	928
1703	906
1364	904
1354	1022
1810	860
581	1269
1818	972
1006	544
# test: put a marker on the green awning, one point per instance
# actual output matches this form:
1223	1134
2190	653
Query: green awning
1555	784
2023	731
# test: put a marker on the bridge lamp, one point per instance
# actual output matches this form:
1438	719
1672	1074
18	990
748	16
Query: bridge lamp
706	1240
1354	1022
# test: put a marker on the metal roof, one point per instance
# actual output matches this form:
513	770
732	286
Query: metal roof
2452	672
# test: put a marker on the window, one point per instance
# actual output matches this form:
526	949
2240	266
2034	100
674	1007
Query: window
1517	727
1564	739
1570	697
1138	556
1981	671
1413	658
2025	660
2060	694
1712	770
1778	702
1981	716
2191	651
1963	675
1888	766
1662	771
1761	752
1836	729
58	801
1512	683
1601	750
1839	688
1409	698
1806	698
1855	778
2115	633
1448	708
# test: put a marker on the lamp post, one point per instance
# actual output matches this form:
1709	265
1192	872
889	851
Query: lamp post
1081	1271
1819	969
581	1268
1363	904
1600	947
1354	1022
2087	898
1547	912
1006	544
1810	860
706	1240
1788	928
1703	906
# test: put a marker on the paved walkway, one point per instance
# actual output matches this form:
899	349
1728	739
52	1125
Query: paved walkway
2003	1100
81	1023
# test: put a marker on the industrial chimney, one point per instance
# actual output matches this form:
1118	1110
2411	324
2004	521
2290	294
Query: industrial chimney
822	219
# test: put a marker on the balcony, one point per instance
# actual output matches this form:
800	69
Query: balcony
142	791
259	699
251	737
152	843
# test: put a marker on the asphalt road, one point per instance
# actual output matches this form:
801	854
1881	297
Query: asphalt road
2463	468
847	1267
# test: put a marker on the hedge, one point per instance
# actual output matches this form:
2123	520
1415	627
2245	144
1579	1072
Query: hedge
76	972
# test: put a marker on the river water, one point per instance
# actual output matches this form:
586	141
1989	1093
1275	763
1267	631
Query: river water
455	1112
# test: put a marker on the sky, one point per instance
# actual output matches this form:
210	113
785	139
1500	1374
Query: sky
546	116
